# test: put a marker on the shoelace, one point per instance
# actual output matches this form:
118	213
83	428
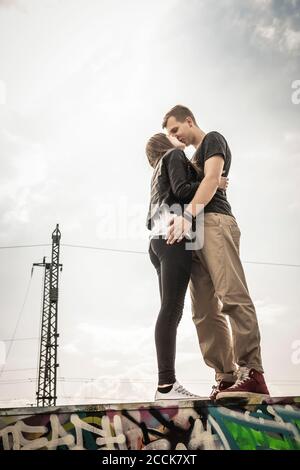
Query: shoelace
215	388
242	377
182	390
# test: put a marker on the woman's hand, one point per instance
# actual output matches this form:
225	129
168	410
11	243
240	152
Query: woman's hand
224	183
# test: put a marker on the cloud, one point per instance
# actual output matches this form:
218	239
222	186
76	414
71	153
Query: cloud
24	170
18	4
8	3
275	22
71	349
117	341
108	389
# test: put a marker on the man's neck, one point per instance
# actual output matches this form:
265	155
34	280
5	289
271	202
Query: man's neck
199	136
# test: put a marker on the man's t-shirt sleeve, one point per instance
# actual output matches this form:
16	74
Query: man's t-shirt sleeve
214	144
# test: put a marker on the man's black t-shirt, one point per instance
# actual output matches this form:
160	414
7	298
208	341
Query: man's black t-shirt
215	144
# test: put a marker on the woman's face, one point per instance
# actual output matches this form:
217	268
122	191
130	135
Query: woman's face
176	142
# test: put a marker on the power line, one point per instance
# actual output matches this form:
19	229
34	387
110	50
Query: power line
266	263
136	380
39	338
18	339
129	381
146	253
17	324
23	246
18	381
100	248
116	250
18	370
92	380
15	399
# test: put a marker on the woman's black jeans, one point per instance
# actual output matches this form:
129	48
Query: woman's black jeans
173	264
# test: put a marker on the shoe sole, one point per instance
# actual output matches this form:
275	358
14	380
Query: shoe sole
240	397
179	399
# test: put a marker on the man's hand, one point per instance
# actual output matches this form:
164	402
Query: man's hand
213	168
224	183
178	228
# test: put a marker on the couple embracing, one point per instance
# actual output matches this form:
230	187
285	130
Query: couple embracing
184	192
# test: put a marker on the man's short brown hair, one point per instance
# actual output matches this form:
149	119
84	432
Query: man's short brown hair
180	113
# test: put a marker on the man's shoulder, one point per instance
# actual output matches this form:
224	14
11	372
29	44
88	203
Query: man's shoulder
214	135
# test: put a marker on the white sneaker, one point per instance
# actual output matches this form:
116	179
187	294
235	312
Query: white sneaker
177	392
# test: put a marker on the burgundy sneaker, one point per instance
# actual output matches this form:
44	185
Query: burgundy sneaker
221	385
250	383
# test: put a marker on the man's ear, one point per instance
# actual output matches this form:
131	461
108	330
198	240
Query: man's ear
189	120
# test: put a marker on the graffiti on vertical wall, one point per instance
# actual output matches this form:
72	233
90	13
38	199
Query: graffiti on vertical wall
201	426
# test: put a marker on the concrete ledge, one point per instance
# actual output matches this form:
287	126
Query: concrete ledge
165	425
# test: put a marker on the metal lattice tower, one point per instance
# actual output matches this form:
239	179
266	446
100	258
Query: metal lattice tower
46	394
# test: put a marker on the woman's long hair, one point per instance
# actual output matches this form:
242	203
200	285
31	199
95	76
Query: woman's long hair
157	146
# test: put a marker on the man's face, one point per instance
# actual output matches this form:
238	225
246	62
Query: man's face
181	130
176	142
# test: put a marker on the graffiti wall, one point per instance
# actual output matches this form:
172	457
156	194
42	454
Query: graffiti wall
179	425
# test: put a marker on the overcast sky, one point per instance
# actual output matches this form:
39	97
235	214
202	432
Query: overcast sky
83	85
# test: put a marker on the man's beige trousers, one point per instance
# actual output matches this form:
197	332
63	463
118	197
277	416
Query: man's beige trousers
218	288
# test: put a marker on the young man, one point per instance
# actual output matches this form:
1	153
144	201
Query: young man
218	286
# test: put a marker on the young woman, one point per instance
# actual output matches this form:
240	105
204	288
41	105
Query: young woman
174	183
